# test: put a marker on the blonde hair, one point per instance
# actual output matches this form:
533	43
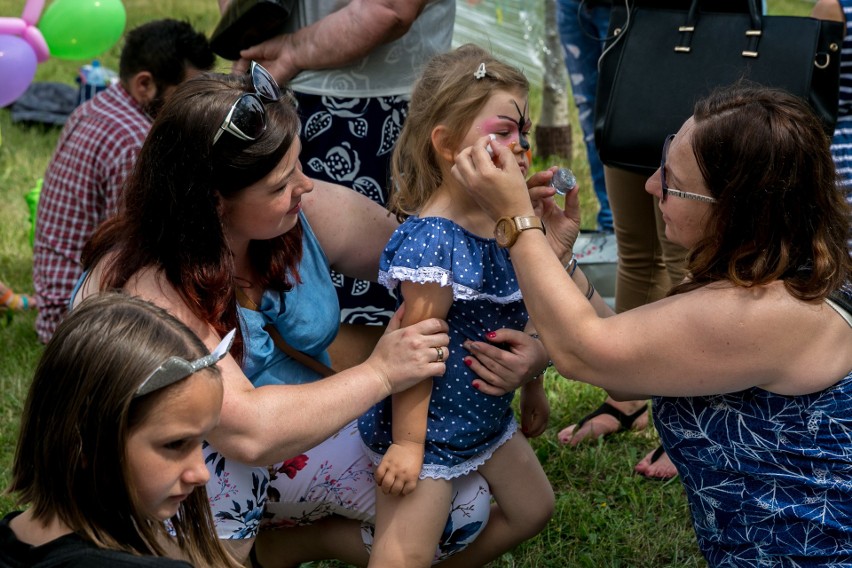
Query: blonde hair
446	93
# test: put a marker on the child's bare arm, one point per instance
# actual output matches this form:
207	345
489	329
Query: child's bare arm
400	468
535	409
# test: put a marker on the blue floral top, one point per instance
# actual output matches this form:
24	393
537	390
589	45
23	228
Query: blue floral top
768	477
465	426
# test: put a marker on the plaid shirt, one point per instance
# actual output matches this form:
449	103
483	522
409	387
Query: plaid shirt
93	158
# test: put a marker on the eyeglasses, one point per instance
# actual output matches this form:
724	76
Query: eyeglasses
177	368
247	118
676	192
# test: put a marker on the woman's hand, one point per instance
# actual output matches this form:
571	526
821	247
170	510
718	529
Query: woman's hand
496	184
563	225
404	357
500	369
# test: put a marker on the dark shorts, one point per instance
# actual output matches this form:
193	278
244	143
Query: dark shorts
349	142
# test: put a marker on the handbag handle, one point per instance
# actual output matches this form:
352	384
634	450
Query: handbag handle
752	35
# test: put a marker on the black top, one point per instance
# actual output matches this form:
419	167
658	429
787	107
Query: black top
70	551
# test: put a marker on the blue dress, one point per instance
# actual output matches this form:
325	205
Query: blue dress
841	142
768	477
465	426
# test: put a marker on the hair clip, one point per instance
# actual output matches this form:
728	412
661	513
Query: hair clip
480	73
178	368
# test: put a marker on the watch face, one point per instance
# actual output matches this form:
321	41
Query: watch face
504	231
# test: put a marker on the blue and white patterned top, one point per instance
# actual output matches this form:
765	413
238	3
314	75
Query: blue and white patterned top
768	477
465	426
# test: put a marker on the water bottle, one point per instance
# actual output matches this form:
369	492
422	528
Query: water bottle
95	75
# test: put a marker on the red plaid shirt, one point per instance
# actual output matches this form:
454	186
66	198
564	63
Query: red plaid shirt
93	158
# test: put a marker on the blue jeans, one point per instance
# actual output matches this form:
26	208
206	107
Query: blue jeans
582	38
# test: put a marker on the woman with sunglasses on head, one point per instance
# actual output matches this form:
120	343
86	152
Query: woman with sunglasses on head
220	226
110	444
749	358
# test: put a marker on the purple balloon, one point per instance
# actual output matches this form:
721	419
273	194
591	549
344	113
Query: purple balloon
17	68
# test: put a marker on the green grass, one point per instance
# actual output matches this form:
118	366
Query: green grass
605	516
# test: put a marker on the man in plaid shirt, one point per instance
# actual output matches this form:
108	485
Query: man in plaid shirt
96	152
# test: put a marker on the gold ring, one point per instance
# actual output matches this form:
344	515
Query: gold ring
440	354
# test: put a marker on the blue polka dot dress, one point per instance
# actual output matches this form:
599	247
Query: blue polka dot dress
465	426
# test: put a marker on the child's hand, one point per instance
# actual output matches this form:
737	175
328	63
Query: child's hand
400	468
535	410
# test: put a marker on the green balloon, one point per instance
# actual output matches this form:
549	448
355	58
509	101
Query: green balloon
82	29
31	197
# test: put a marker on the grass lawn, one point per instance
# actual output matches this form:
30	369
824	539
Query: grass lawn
605	516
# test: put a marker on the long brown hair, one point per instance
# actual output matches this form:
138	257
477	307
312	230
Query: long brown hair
169	218
446	93
780	212
70	459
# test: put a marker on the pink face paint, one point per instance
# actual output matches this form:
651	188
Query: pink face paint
505	131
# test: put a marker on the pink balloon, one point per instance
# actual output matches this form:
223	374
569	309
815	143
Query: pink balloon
33	36
32	11
12	26
17	68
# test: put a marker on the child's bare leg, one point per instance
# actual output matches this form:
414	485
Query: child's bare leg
525	503
408	528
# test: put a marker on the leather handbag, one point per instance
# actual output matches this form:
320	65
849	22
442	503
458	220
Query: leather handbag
662	56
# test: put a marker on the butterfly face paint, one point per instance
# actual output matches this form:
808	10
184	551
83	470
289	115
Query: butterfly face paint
509	130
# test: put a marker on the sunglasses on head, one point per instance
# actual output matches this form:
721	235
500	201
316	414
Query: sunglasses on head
246	119
178	368
676	192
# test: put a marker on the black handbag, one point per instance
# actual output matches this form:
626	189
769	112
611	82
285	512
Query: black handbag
249	22
661	56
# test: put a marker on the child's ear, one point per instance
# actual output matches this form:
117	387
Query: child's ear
440	136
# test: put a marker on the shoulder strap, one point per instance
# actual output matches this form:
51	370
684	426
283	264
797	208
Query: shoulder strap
300	356
311	363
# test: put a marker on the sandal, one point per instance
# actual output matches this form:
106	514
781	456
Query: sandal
656	455
625	421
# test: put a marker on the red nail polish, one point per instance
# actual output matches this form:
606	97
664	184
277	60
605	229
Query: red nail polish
467	362
475	385
491	335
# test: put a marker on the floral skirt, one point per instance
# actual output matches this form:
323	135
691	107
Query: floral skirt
333	478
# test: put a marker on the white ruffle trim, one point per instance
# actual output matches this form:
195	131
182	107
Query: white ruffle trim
434	274
431	471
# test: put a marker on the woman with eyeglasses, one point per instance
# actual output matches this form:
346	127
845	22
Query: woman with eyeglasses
220	226
749	359
109	448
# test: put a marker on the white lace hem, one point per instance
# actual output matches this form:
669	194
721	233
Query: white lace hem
434	274
431	471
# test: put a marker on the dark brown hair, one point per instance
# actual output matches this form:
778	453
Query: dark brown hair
169	218
780	213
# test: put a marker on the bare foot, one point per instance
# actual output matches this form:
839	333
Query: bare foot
656	465
594	427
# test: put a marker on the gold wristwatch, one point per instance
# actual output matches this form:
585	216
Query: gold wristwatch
509	228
